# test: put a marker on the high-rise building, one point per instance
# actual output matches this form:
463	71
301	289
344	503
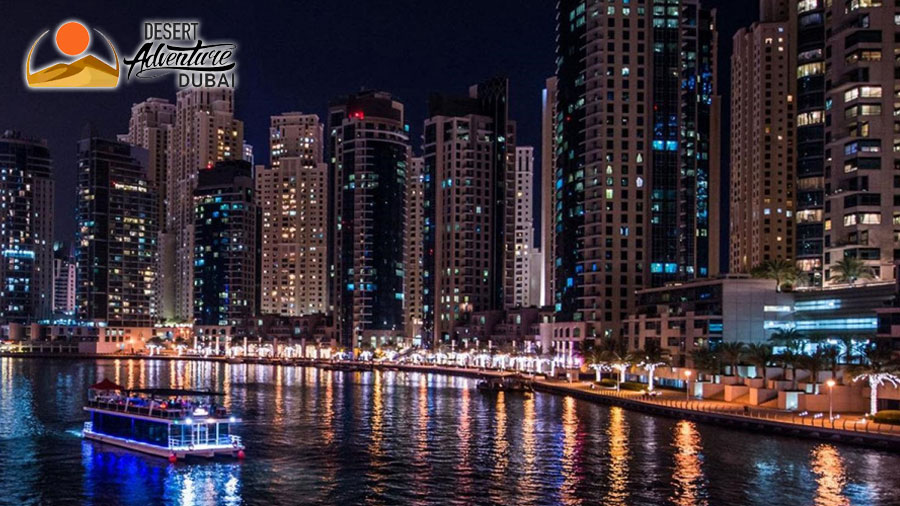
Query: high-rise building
861	216
205	133
808	30
763	94
225	221
524	226
414	291
26	229
369	147
292	194
64	275
548	190
636	122
116	236
150	127
469	186
248	155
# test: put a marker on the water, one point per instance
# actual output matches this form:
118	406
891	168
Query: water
317	437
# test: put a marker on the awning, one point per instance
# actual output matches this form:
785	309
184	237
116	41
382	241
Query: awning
106	385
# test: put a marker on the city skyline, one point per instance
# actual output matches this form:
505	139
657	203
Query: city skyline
524	53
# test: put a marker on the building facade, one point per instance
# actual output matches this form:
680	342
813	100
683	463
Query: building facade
26	229
549	135
524	227
369	147
763	151
205	132
470	215
293	198
64	275
225	220
150	127
635	202
116	249
414	293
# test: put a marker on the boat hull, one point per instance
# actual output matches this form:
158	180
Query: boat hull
158	451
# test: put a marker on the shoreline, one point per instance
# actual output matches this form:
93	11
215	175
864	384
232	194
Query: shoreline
729	415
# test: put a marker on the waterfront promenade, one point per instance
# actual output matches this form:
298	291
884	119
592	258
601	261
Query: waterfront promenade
845	427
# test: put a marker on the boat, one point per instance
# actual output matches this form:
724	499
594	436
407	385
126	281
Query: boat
504	384
165	422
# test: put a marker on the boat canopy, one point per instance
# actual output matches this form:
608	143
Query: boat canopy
106	385
174	392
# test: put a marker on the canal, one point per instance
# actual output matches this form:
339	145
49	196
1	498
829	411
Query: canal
392	437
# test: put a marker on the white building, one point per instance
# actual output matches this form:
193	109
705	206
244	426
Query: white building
524	226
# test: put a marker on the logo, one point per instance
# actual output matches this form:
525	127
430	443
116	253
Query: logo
175	47
89	71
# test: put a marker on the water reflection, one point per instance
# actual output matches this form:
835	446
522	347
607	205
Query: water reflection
830	476
688	481
617	434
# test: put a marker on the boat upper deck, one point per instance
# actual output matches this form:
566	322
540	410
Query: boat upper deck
165	404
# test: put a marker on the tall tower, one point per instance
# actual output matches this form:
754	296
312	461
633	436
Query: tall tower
117	233
370	152
549	127
26	229
763	99
469	207
415	254
524	226
64	276
150	127
862	219
293	197
635	202
205	132
225	218
808	26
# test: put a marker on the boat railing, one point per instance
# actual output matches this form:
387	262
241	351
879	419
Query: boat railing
188	442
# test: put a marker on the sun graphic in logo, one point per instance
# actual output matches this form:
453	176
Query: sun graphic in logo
73	39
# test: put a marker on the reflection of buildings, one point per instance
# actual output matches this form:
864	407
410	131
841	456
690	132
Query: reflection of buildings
26	229
117	234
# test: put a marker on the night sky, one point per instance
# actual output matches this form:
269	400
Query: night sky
298	56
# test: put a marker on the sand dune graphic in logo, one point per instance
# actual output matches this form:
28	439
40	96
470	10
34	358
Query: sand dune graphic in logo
72	39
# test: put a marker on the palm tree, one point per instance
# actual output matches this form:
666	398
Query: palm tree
617	362
813	363
732	354
790	338
849	269
879	369
760	355
596	361
849	344
789	359
781	271
705	362
650	359
831	353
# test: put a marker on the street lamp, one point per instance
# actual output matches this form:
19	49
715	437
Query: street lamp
687	390
830	384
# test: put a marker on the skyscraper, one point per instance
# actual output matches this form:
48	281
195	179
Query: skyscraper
150	127
635	202
26	229
116	235
64	275
369	146
524	226
470	214
414	292
862	219
763	93
548	190
205	132
225	219
293	197
808	26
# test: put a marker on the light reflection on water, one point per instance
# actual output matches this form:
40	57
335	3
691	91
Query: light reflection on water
404	438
